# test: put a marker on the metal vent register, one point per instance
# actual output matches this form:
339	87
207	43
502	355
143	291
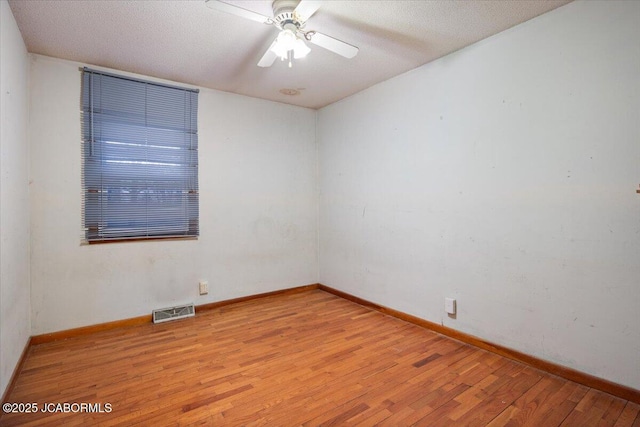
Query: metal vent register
173	313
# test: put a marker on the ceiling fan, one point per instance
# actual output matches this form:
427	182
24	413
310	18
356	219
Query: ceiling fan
290	16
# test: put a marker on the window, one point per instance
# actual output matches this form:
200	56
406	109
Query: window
140	159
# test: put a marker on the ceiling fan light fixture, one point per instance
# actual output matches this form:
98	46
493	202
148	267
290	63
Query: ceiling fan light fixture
289	45
285	42
300	49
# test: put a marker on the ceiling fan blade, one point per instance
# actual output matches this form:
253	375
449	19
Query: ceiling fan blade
238	11
268	58
306	9
334	45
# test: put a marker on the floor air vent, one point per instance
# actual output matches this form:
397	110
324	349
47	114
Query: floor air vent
173	313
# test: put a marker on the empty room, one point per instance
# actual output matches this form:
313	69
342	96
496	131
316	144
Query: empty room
340	212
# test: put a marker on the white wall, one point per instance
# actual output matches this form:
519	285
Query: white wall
503	175
14	195
258	211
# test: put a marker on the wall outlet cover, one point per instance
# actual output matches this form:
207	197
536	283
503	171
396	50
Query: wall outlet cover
204	288
450	305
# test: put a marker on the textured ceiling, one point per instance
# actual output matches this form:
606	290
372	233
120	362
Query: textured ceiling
185	41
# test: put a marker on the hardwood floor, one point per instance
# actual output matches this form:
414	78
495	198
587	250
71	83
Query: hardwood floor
308	358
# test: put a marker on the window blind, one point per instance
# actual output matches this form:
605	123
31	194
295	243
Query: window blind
140	159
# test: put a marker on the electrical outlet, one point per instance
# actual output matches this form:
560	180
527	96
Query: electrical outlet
450	305
204	288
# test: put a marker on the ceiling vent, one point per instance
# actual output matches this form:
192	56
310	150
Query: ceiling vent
173	313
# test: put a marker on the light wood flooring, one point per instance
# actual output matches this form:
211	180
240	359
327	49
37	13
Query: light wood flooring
308	358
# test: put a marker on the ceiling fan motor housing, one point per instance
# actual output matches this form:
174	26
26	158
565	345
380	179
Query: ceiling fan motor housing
284	15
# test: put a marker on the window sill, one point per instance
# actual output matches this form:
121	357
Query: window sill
137	239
